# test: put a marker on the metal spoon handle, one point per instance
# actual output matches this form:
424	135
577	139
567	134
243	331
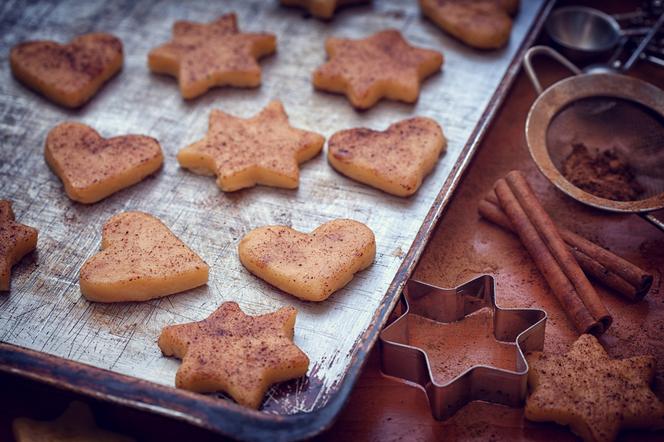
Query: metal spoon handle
649	36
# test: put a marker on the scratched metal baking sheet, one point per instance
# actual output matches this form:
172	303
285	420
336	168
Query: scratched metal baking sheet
45	310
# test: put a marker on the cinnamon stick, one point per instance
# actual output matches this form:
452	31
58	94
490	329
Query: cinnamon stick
561	286
598	263
549	233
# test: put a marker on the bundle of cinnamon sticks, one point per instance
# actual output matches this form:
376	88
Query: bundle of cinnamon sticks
563	256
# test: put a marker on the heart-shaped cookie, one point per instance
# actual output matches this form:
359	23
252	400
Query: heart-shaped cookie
68	74
395	160
140	259
92	168
309	266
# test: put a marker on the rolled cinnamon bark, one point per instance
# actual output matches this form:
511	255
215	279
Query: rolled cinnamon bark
598	263
549	233
545	261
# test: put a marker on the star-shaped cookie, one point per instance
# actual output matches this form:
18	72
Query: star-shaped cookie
92	168
16	241
592	393
202	56
76	424
321	8
264	149
383	65
395	160
482	24
232	352
68	74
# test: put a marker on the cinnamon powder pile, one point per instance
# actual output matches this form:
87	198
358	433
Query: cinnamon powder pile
603	174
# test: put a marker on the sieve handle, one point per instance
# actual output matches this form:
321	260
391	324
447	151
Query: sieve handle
545	50
652	220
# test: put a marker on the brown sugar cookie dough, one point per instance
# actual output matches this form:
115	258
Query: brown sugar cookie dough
16	241
243	152
383	65
482	24
310	266
235	353
206	55
68	74
92	168
140	259
592	393
395	160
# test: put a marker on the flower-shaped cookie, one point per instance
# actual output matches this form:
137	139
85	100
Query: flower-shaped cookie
202	56
383	65
264	149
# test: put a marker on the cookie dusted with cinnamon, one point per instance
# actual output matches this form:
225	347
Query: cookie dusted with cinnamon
243	152
482	24
206	55
236	353
68	74
92	168
592	393
16	241
383	65
140	259
309	266
395	160
323	9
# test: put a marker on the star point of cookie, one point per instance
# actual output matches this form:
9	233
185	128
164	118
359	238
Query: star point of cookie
236	353
383	65
16	241
592	393
264	149
206	55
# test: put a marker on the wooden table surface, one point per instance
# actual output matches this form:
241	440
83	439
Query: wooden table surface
463	246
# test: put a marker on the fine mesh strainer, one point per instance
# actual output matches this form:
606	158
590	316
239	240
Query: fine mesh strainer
603	112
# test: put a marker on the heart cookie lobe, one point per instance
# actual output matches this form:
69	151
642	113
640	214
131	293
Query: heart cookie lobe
243	152
482	24
383	65
206	55
92	168
140	259
323	9
233	352
16	241
309	266
68	74
395	160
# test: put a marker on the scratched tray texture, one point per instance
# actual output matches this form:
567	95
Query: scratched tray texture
45	310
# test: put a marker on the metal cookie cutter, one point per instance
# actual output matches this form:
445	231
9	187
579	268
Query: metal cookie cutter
524	327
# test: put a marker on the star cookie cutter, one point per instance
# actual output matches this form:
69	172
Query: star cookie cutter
524	327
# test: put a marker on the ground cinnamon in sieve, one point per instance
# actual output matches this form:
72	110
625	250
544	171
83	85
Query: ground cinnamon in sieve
604	174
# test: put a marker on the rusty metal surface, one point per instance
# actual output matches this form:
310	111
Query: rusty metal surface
45	311
523	328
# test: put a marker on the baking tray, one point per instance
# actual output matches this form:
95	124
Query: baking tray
48	332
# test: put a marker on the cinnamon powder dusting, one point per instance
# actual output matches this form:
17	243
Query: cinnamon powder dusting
455	347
